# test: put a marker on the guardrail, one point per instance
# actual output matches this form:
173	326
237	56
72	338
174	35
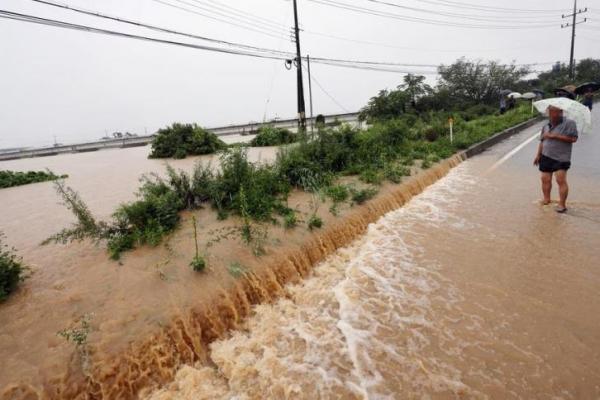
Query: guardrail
246	129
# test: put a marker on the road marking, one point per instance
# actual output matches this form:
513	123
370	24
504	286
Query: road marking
511	153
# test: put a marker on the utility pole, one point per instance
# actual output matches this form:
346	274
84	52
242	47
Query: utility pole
312	121
572	25
301	105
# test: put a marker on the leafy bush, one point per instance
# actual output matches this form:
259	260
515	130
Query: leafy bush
268	135
290	220
12	178
315	222
372	176
362	195
262	185
182	140
11	270
338	193
394	172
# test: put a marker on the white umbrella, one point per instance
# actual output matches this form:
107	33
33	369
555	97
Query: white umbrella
571	109
515	95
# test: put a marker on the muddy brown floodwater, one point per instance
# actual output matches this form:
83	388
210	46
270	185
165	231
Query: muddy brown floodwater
471	290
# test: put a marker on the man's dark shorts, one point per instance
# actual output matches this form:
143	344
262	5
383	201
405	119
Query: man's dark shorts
548	164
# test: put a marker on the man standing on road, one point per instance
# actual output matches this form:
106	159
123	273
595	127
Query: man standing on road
554	155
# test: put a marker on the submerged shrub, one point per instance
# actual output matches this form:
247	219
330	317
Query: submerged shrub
12	178
362	195
182	140
290	220
315	222
394	172
237	270
338	193
86	225
268	135
11	270
372	176
261	185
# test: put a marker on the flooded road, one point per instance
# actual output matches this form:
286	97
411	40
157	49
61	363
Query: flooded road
472	290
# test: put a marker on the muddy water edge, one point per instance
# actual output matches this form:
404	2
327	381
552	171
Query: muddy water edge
149	313
153	295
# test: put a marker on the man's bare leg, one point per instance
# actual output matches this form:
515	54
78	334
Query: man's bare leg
563	188
546	186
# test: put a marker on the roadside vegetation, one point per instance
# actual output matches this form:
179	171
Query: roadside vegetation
406	127
12	178
268	135
182	140
12	270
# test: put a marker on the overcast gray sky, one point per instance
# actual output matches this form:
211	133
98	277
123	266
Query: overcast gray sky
78	85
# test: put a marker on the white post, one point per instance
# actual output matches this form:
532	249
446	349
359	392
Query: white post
451	123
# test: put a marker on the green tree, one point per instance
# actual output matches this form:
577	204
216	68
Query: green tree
476	82
415	86
587	70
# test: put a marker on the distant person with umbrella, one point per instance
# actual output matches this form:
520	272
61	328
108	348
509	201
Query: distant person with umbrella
587	92
554	155
588	99
503	94
502	105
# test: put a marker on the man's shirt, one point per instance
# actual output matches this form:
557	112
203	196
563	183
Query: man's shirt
557	149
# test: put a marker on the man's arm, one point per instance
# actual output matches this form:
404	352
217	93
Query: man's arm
562	138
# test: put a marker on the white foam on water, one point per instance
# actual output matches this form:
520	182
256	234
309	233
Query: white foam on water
375	321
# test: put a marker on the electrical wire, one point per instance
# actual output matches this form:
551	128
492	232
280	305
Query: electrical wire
259	53
159	29
313	78
478	7
62	24
484	18
369	11
242	13
211	9
257	30
422	49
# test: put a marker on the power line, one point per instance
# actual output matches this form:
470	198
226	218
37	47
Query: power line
85	28
484	18
329	95
391	46
491	9
243	14
253	52
62	24
211	9
369	11
157	28
250	28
